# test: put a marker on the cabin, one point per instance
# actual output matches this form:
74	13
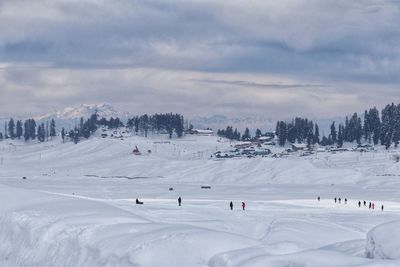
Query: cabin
207	132
299	147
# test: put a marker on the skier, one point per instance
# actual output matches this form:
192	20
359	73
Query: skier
243	205
359	204
335	199
319	198
345	201
373	206
382	208
139	202
340	200
179	201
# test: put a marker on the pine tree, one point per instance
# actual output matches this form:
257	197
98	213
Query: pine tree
52	129
367	127
11	128
281	131
19	129
333	133
316	134
375	124
26	130
340	136
32	129
41	133
396	126
63	134
246	134
258	133
291	133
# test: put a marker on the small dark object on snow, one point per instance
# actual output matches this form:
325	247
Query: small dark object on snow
24	178
231	205
319	198
171	189
179	201
205	187
139	202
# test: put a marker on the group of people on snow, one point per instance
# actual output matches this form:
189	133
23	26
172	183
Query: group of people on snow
243	205
370	206
138	202
336	199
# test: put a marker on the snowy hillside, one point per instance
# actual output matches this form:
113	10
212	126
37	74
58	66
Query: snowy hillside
76	205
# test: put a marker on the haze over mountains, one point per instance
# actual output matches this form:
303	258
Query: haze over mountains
68	117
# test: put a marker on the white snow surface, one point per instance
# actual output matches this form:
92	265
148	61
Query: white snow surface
76	206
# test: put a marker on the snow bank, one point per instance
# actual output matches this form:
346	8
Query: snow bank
383	241
256	257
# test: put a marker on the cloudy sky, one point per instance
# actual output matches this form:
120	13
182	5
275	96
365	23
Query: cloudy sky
199	57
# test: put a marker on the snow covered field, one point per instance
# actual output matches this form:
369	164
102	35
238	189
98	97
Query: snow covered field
76	206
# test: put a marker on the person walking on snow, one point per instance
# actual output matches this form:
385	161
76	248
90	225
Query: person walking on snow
365	203
340	200
231	205
373	206
179	201
382	208
319	198
359	204
335	199
243	205
345	201
370	205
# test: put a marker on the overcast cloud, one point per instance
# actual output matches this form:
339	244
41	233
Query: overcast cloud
198	57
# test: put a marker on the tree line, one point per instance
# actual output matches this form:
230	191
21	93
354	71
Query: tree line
375	128
173	124
158	123
28	130
231	134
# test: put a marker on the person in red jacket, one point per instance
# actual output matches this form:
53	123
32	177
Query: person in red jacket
243	205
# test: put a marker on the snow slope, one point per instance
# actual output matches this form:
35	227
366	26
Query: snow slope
76	206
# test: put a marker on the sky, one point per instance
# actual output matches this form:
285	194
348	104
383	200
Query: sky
266	58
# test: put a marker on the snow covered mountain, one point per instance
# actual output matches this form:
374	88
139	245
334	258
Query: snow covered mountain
68	117
85	111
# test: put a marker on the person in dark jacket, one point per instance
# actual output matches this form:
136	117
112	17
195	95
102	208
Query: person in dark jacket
359	204
179	201
243	205
382	208
139	202
231	205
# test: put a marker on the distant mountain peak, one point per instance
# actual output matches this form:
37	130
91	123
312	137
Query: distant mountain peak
84	110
